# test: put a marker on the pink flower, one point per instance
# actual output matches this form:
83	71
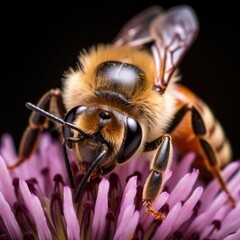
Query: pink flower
36	201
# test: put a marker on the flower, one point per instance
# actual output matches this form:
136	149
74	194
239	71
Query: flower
36	201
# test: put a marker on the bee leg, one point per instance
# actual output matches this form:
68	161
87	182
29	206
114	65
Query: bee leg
199	129
197	121
210	159
213	166
154	182
36	125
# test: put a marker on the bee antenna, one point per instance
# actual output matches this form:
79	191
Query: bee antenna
55	118
87	175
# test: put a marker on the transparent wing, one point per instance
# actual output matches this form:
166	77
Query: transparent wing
173	33
136	31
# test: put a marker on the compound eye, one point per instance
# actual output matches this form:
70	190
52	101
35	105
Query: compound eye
70	118
132	140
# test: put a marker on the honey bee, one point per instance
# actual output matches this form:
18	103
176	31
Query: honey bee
124	99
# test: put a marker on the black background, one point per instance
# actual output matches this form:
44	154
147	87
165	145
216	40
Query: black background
39	43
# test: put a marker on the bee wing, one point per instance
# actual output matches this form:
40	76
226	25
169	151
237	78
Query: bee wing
136	31
173	33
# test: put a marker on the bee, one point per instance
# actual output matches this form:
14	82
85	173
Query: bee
124	99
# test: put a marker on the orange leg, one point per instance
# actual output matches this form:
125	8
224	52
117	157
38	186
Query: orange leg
213	166
37	123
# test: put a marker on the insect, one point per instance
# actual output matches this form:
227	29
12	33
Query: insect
124	100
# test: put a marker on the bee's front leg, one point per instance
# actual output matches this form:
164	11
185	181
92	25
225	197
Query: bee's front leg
159	164
36	125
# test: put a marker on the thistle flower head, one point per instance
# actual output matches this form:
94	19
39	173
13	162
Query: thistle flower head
37	203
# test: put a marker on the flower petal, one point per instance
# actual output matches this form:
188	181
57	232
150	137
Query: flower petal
224	232
9	219
128	196
212	189
7	149
187	208
233	185
207	217
51	154
180	170
6	186
136	165
165	228
183	188
233	214
101	208
34	206
233	236
217	221
128	224
73	230
230	224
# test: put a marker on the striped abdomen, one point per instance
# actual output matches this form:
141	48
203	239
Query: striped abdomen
185	138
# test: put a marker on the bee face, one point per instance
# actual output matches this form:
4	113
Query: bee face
105	127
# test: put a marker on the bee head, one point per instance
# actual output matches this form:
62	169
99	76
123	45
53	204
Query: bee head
101	127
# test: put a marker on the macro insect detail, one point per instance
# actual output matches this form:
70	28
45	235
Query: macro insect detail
124	100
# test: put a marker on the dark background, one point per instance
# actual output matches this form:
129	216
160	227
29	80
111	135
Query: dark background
39	43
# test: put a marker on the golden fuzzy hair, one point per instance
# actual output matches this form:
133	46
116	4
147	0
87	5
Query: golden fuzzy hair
148	105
